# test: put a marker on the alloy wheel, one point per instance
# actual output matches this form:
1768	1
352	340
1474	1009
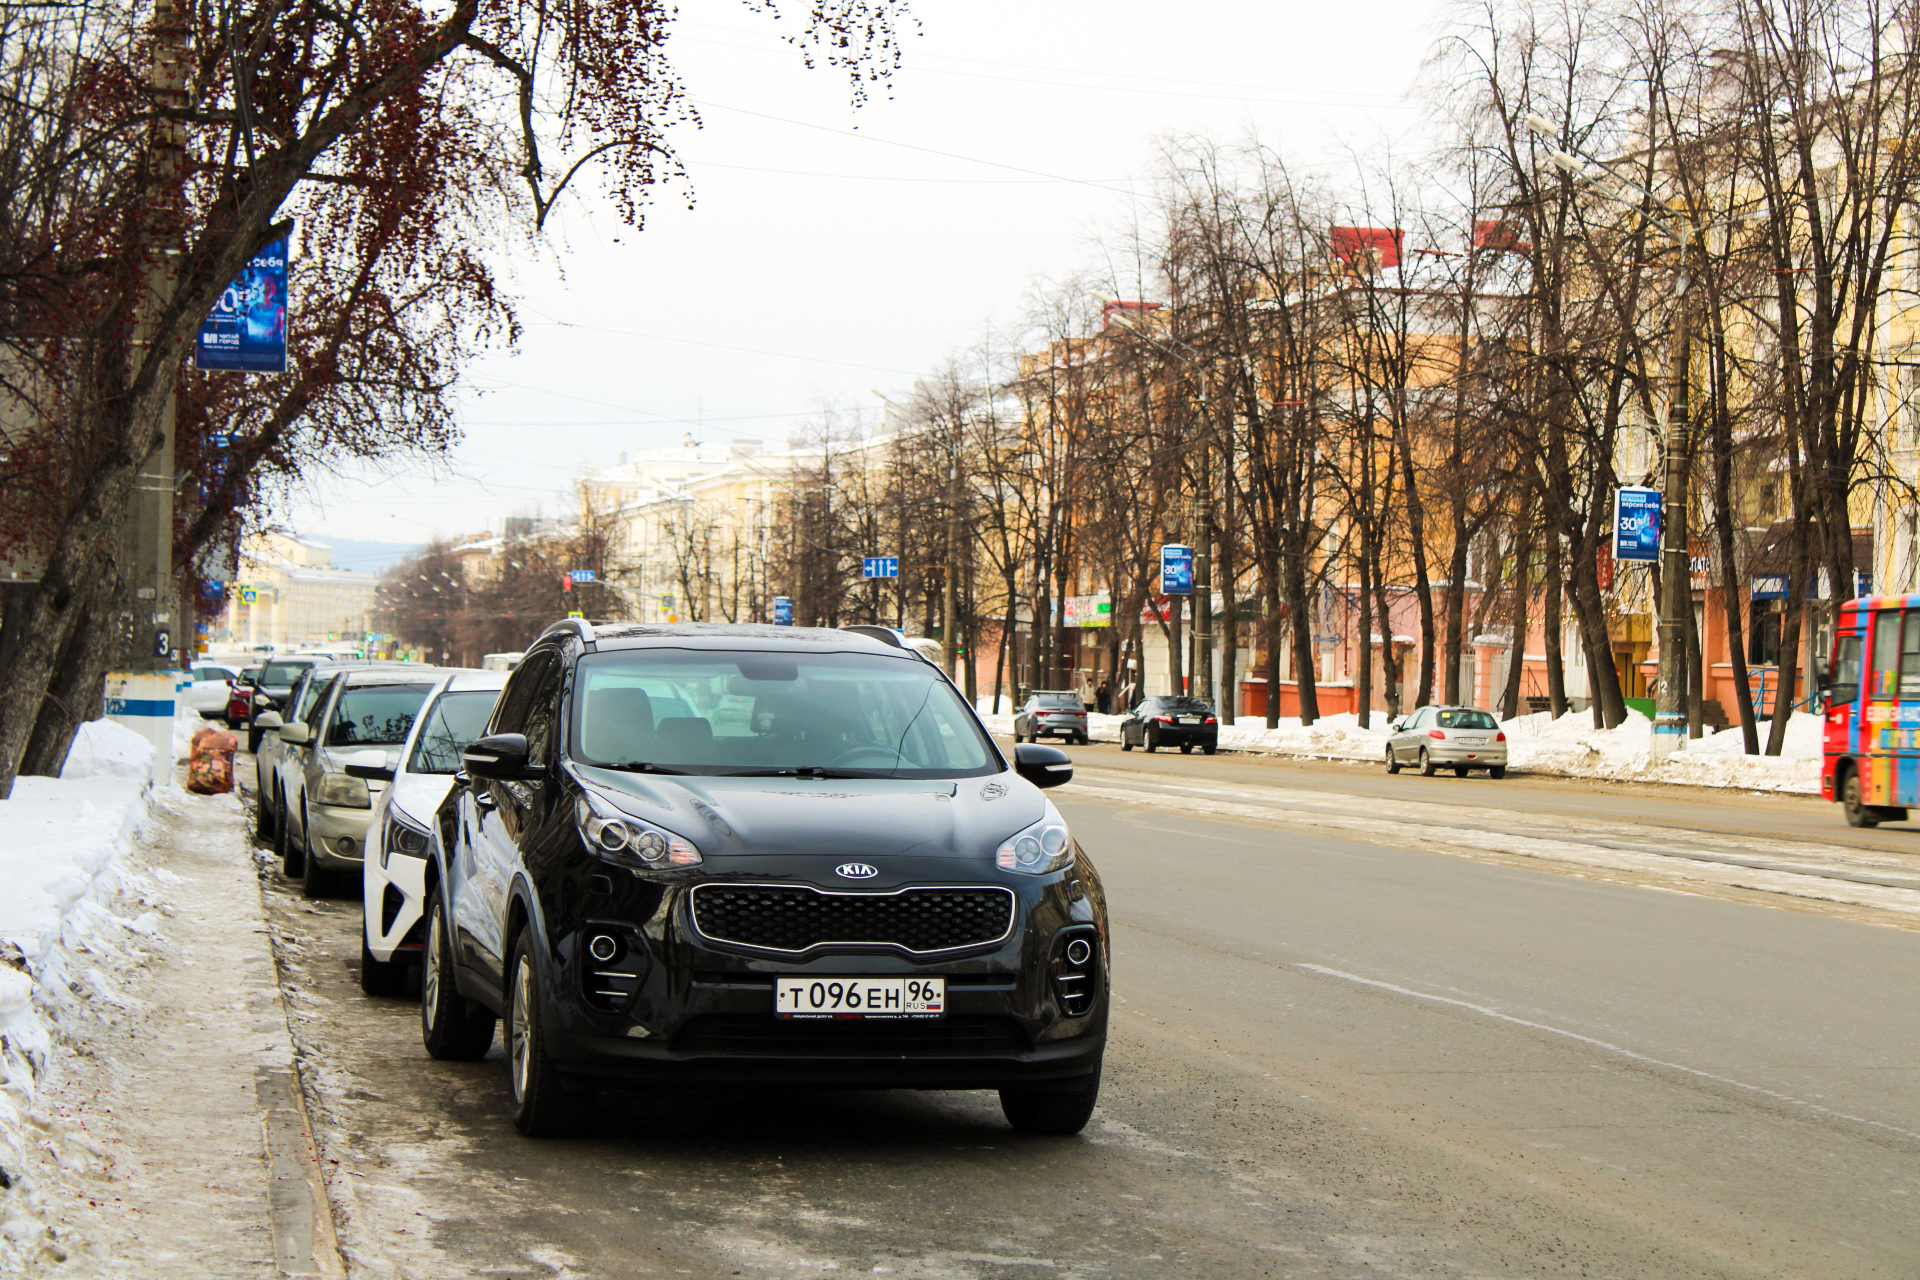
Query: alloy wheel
519	1033
430	973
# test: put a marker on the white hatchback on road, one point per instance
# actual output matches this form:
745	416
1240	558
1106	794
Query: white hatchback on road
395	871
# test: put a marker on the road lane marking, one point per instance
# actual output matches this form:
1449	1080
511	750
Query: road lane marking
1609	1046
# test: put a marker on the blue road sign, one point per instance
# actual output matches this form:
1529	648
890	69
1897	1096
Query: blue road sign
1636	524
881	567
582	575
782	611
1176	570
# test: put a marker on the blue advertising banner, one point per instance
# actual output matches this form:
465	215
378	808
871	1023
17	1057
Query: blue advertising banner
246	332
782	611
1176	570
1636	524
881	567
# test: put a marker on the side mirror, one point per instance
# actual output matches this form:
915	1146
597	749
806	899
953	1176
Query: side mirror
369	765
1042	766
296	734
498	755
1393	726
268	720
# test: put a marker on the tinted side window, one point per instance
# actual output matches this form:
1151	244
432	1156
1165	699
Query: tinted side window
542	714
517	698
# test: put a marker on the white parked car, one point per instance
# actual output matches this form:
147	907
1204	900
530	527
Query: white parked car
394	875
211	689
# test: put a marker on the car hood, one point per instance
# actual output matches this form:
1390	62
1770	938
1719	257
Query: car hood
841	817
418	795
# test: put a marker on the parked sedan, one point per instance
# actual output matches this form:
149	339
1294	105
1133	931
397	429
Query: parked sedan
1051	714
1180	722
394	879
1460	738
211	691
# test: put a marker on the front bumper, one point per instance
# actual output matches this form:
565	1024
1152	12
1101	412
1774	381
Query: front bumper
336	836
703	1010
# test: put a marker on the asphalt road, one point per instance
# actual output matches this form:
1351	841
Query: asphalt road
1337	1054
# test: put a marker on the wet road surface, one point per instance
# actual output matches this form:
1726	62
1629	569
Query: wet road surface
1338	1053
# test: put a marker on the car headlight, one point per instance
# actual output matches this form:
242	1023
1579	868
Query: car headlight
343	791
1045	846
622	838
400	836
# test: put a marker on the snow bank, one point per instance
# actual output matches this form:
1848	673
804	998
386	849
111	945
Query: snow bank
1537	743
63	937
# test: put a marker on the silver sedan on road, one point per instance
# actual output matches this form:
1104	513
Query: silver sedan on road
1460	738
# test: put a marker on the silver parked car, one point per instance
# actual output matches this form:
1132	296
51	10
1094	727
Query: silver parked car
1459	738
1051	713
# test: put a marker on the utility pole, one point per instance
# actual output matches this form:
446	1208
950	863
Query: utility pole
1203	555
140	693
949	632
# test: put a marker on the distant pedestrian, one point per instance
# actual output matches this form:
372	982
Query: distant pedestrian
1103	697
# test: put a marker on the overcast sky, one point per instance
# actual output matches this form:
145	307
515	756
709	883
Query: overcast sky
831	251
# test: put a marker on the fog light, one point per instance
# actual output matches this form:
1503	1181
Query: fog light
1078	951
603	947
347	846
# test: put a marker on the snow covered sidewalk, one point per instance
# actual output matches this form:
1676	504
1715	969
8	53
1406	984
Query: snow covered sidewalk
145	1044
1568	747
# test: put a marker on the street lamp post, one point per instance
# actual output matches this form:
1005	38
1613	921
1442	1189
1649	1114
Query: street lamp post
1202	509
1676	594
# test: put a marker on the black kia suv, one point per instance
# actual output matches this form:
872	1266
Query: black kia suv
715	853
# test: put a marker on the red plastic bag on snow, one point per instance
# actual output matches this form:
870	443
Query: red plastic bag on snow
210	767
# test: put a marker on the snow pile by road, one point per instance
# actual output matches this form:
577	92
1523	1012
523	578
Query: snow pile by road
72	917
1537	743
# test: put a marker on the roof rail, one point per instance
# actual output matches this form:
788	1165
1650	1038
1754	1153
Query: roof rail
579	626
885	635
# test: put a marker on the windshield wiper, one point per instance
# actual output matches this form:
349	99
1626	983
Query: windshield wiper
640	766
804	771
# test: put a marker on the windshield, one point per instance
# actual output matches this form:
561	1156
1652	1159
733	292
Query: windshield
278	673
1466	720
376	715
757	713
455	720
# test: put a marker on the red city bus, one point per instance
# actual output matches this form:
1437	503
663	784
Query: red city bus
1871	750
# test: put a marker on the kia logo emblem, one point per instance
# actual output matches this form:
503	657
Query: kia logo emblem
856	871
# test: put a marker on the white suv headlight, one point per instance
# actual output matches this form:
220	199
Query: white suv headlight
622	838
402	837
1045	846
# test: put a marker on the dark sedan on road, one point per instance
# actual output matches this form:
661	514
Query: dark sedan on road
1180	722
712	853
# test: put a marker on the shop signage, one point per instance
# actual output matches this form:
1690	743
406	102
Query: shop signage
1636	523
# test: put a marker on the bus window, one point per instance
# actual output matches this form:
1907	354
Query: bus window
1910	656
1846	672
1886	654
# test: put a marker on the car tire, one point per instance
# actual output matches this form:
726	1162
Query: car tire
380	977
1858	815
315	880
1150	741
1051	1112
1186	748
1210	748
293	860
453	1028
1427	767
1126	743
262	816
1461	771
1497	771
1393	762
542	1106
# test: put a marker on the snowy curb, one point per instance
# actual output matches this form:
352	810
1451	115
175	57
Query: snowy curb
65	934
1569	747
